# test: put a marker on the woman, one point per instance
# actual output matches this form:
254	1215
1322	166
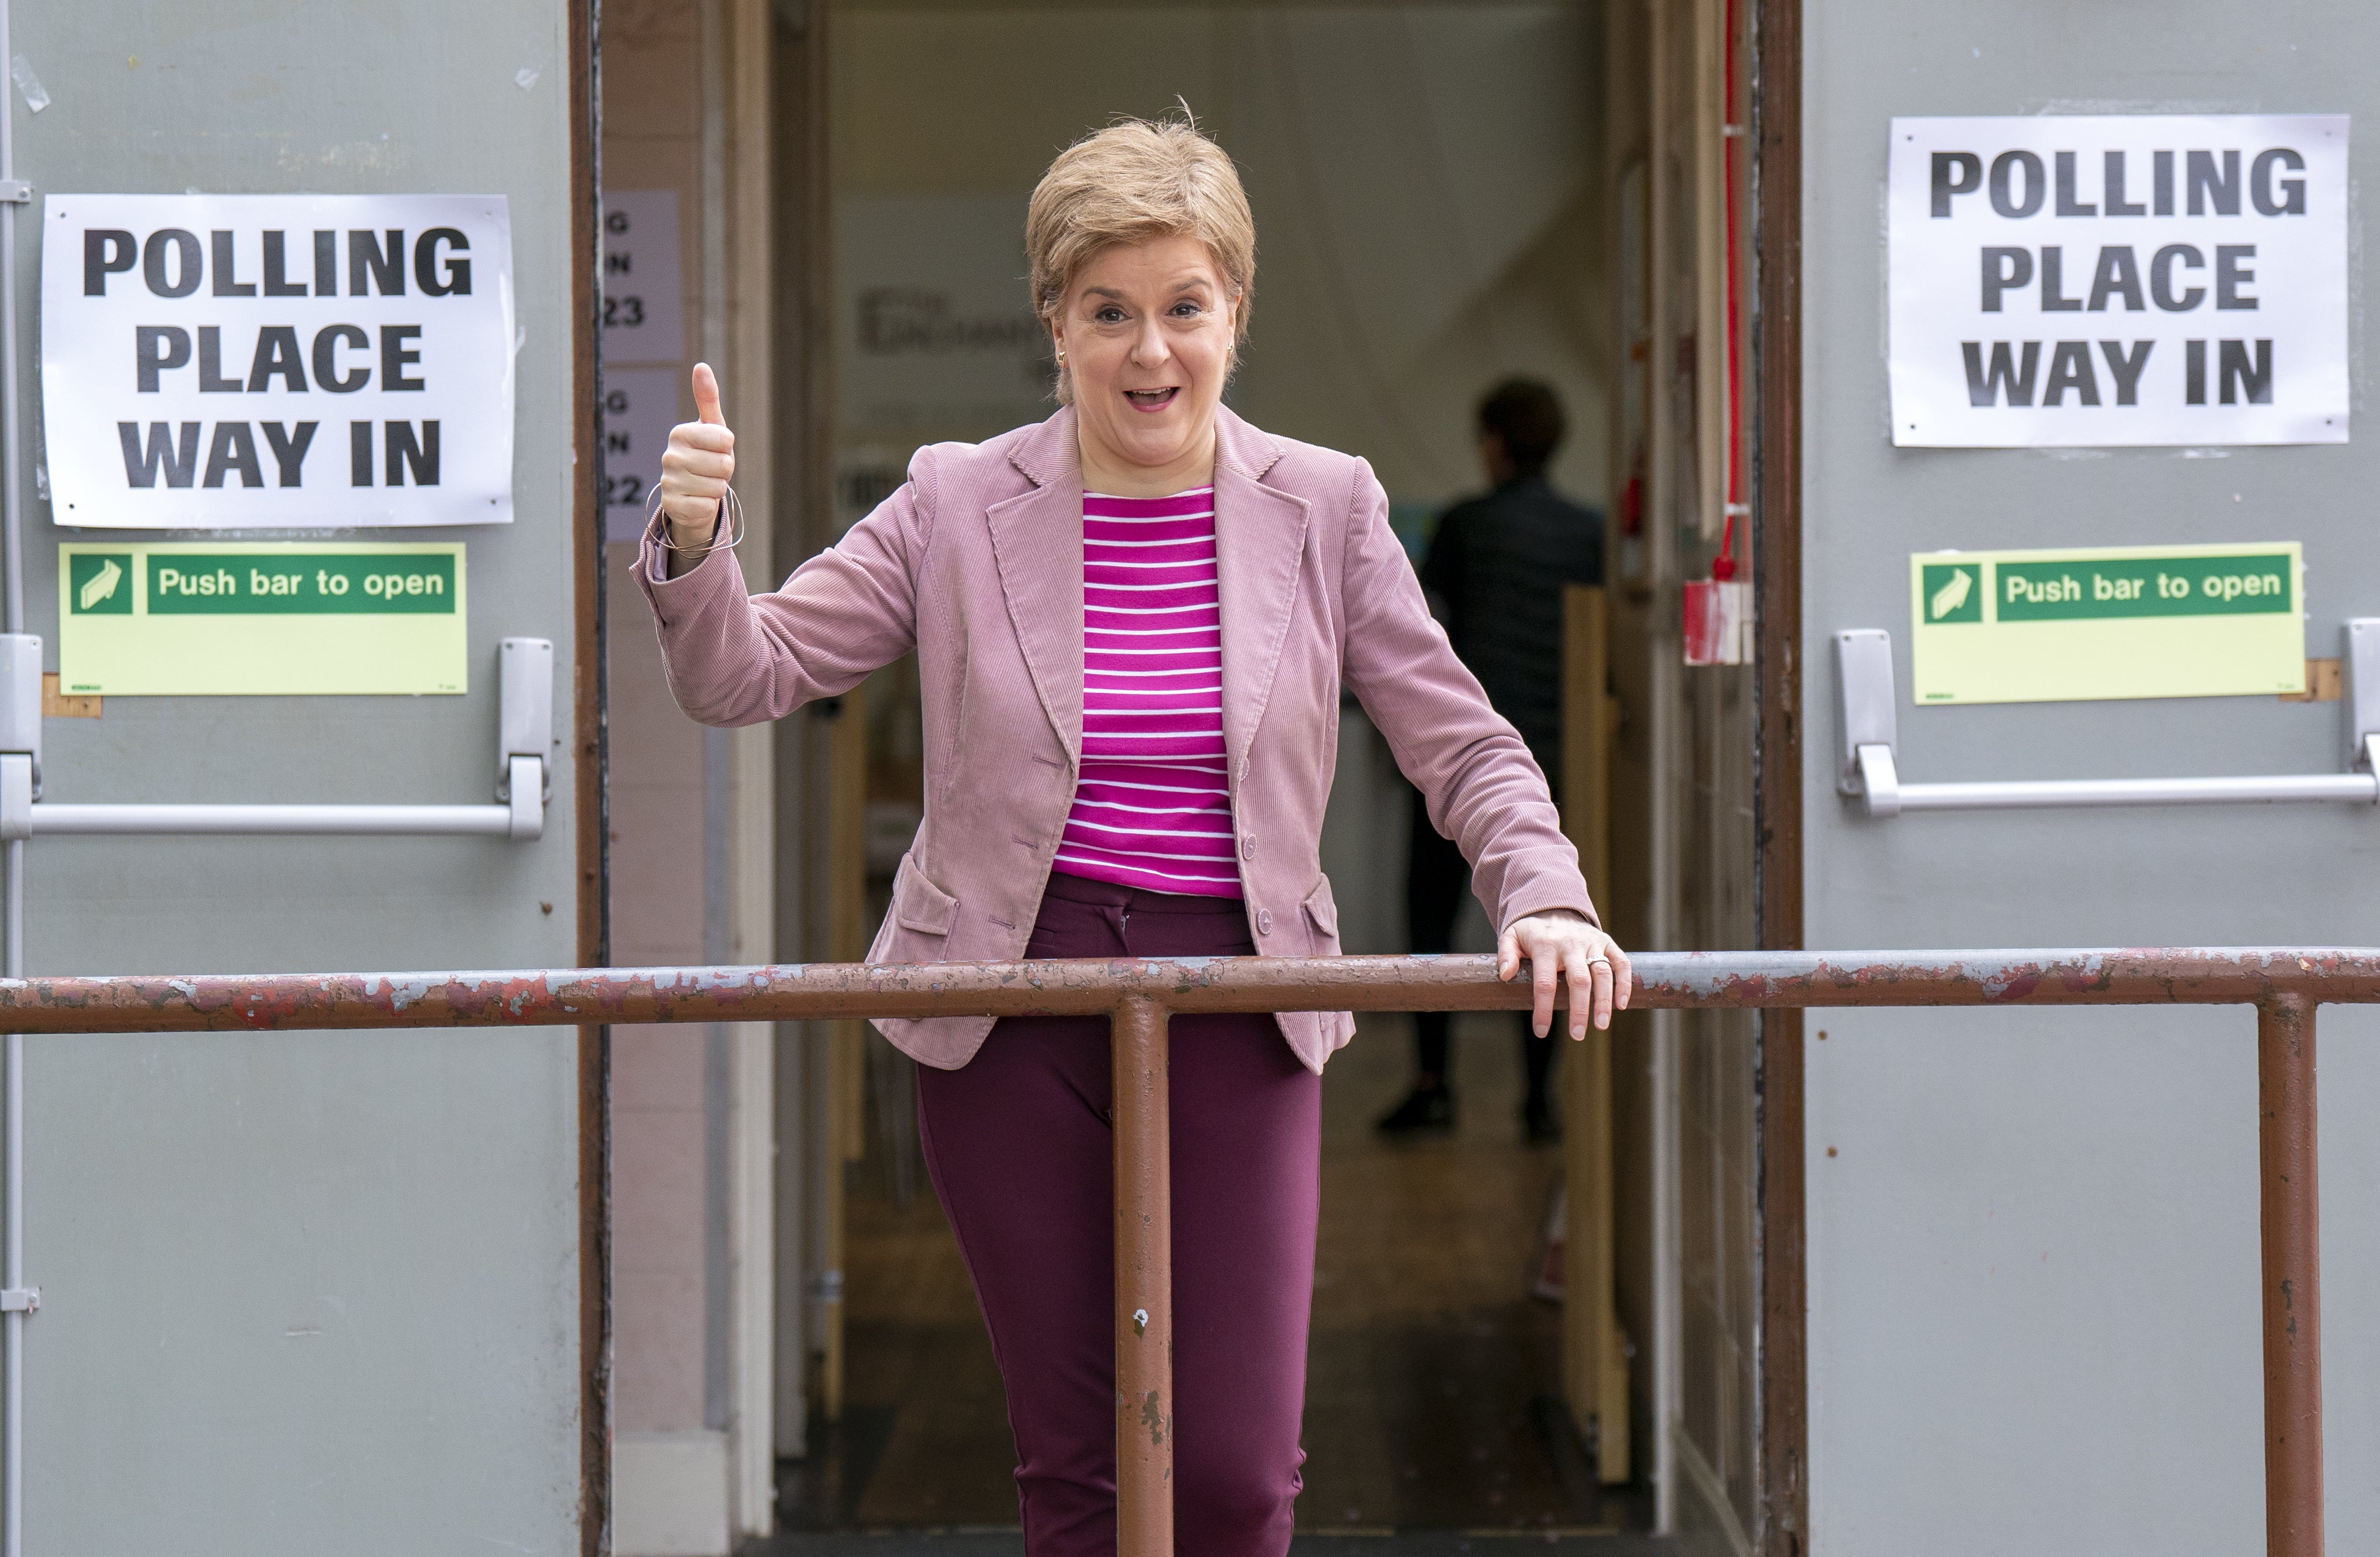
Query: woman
1133	622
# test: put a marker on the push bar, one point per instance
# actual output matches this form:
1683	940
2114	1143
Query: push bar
1868	717
524	818
525	781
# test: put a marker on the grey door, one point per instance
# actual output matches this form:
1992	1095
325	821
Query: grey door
2035	1312
308	1292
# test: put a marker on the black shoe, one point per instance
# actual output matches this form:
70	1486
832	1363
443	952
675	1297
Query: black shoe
1426	1111
1537	1123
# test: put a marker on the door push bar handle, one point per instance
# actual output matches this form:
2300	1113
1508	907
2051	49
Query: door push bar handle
1866	768
524	772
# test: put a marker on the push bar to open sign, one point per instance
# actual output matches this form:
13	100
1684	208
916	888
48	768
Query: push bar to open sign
524	743
1868	718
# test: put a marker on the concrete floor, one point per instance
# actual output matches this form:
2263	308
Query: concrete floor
1422	1543
1431	1428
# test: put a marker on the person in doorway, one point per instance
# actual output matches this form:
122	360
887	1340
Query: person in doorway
1497	568
1132	622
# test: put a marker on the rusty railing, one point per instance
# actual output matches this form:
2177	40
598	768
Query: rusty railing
2284	985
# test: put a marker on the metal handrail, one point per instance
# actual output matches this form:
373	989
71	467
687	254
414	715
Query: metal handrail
2285	984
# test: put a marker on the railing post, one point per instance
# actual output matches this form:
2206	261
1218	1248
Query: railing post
2292	1253
1144	1284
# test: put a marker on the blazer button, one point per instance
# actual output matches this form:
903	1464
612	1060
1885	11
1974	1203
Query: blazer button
1247	848
1263	921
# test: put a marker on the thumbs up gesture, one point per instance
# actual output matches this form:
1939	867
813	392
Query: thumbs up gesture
695	469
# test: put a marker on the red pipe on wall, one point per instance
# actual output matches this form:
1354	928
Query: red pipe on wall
1723	565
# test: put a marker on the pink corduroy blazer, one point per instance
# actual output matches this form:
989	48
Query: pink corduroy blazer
977	563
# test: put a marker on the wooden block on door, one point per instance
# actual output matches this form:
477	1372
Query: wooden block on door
58	705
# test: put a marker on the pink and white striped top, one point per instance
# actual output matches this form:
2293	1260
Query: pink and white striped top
1153	806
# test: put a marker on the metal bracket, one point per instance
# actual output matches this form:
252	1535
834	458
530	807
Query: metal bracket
1864	712
1867	767
524	714
19	1299
1879	780
20	700
2361	654
20	734
16	796
15	191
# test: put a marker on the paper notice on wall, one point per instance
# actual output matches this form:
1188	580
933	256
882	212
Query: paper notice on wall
2193	621
2118	279
640	405
644	303
253	361
224	618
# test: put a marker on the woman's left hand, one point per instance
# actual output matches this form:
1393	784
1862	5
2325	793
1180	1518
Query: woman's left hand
1560	942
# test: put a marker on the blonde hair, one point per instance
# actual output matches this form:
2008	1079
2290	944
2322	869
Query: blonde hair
1136	180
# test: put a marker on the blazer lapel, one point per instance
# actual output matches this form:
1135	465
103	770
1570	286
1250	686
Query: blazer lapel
1260	539
1036	540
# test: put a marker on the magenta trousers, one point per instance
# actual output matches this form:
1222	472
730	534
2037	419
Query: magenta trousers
1019	1146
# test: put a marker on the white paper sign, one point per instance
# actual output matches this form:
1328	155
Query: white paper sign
644	311
250	362
639	408
2118	279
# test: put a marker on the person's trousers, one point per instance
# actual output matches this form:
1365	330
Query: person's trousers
1020	1147
1437	880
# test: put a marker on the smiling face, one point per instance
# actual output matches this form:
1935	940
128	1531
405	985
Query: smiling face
1144	335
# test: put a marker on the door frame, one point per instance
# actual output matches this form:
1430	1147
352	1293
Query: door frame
803	481
1781	1225
807	1275
588	734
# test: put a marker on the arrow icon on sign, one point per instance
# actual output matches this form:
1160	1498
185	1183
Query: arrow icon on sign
102	585
1952	595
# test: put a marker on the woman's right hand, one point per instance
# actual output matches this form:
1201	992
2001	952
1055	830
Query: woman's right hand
700	463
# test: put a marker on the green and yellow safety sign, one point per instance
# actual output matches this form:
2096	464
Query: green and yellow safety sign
227	618
2113	622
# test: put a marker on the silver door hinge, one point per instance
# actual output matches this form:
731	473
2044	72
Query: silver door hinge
19	1299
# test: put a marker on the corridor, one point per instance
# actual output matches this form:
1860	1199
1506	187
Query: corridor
1431	1391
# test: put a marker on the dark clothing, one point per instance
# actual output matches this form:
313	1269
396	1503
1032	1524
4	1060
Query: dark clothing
1436	879
1498	565
1020	1150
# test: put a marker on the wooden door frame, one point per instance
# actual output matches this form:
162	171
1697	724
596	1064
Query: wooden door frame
1782	1223
590	753
801	523
806	475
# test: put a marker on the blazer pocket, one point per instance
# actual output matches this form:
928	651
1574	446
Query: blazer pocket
1322	910
918	903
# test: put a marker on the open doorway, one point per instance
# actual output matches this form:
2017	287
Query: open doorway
1446	194
1435	214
